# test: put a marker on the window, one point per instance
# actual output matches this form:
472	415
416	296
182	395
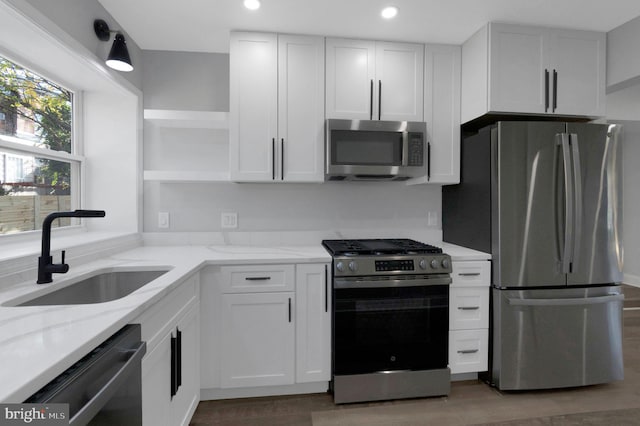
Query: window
39	170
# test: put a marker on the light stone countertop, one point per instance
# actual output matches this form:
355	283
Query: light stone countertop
39	342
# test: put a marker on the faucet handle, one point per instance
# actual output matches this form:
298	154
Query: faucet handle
63	254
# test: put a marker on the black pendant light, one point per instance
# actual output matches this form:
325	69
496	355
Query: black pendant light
118	58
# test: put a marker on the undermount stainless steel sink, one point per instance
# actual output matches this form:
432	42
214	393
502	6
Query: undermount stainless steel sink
98	288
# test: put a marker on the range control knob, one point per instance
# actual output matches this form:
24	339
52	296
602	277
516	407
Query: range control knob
434	264
340	266
445	263
353	266
422	264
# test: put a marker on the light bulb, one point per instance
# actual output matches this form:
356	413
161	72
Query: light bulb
389	12
252	4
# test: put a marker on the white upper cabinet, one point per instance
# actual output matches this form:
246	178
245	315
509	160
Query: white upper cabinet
531	70
276	108
369	80
442	112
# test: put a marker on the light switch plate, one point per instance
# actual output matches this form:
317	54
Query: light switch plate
163	219
229	220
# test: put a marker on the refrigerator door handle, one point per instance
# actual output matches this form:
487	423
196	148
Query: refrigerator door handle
569	199
567	302
577	186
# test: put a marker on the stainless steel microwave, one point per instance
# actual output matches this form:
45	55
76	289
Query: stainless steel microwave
375	150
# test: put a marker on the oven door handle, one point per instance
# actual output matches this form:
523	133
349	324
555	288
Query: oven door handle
339	283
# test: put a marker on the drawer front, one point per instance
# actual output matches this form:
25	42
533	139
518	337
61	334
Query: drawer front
257	278
471	273
159	318
468	351
468	308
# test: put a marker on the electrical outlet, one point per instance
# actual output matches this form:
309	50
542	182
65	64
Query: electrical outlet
163	219
229	220
432	219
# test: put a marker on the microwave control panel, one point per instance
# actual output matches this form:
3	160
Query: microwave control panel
416	150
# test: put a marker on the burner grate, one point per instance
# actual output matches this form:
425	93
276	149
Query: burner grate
378	247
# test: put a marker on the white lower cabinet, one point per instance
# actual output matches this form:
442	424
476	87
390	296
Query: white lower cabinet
264	327
257	347
313	323
469	316
170	368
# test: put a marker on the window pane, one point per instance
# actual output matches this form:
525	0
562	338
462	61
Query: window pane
30	189
33	109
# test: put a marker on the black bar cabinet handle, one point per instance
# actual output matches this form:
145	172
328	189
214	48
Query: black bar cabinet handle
428	160
273	158
379	99
555	91
326	288
174	354
257	278
178	359
468	351
371	101
468	308
289	309
546	90
282	159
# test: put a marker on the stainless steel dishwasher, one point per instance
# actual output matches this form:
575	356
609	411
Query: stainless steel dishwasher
105	386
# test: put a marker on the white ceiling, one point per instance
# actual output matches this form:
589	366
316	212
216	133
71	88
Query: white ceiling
204	25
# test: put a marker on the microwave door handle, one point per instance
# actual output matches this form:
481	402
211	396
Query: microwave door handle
428	161
405	148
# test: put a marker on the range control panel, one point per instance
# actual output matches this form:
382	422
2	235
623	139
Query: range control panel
344	266
394	265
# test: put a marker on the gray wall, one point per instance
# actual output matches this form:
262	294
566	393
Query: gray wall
200	81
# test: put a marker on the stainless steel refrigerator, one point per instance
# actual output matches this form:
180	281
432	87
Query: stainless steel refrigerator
544	198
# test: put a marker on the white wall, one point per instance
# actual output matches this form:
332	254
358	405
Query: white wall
197	81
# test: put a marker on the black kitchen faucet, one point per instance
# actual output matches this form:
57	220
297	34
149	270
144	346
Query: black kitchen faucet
46	267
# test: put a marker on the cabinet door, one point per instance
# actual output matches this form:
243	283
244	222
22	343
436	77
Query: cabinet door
188	395
517	69
313	330
442	111
399	85
257	339
350	74
579	59
156	385
301	108
253	106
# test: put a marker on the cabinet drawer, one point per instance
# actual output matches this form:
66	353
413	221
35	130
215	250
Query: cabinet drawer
468	308
257	278
468	351
471	273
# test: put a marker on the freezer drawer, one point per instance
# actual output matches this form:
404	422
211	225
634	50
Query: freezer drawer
556	338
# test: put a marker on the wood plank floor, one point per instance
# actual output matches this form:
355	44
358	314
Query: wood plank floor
470	402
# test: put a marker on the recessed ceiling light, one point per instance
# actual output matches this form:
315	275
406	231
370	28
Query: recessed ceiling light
252	4
389	12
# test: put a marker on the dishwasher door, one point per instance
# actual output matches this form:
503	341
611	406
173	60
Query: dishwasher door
556	338
104	387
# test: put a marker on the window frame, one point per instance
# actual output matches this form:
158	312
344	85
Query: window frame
75	159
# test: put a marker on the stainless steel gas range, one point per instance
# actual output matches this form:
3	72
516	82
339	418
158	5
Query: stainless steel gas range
390	319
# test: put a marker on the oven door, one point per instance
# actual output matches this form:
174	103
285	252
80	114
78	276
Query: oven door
394	328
